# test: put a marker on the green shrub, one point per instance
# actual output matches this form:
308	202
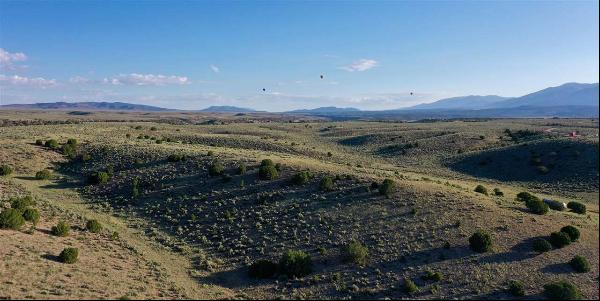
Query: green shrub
326	184
480	241
69	255
267	162
278	166
498	192
560	239
43	174
176	157
355	252
52	143
69	150
135	187
526	196
577	207
295	264
562	290
31	215
301	178
210	153
268	172
572	232
22	203
580	264
86	157
216	169
537	206
263	268
93	226
99	177
433	276
241	170
481	189
387	188
5	170
153	128
11	219
61	229
541	245
516	288
410	287
72	141
39	142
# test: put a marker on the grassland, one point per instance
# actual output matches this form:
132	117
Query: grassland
187	232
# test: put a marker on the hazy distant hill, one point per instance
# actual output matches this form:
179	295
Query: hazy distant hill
227	109
91	106
321	110
462	102
569	94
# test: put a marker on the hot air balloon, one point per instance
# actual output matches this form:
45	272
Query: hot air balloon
264	90
321	76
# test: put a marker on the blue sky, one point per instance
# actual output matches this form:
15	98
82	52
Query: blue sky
193	54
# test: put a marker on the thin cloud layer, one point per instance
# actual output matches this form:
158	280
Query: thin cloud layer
215	69
361	65
137	79
8	59
22	81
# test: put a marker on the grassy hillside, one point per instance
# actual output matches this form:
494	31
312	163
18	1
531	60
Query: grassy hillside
193	221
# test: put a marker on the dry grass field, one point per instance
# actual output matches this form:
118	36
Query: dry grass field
194	210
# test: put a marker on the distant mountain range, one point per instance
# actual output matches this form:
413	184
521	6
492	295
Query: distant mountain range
568	100
90	106
227	109
569	94
325	110
472	102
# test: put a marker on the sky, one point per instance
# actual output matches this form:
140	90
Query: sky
372	54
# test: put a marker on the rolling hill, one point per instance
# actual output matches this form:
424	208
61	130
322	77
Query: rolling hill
93	106
227	109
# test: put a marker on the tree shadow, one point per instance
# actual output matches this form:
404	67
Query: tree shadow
236	278
51	257
520	251
45	231
557	268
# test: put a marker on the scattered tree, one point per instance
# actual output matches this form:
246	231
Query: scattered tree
295	264
69	255
61	229
480	241
355	252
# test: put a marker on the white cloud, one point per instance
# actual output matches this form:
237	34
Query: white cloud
16	80
137	79
215	69
361	65
79	80
8	59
